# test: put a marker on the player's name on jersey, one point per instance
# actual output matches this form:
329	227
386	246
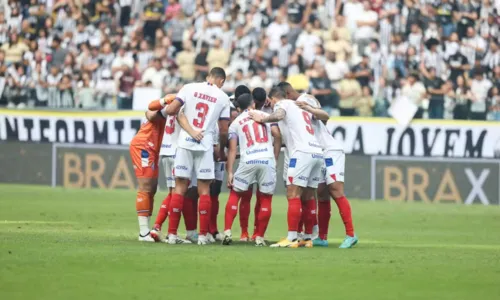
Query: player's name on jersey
365	136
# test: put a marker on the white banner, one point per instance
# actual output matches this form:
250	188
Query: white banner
368	136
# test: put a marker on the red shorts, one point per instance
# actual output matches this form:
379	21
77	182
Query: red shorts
145	162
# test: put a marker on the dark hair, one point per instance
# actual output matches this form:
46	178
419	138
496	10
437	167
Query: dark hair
218	73
259	94
284	86
277	92
244	101
240	90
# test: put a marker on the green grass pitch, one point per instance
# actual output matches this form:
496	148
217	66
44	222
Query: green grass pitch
82	244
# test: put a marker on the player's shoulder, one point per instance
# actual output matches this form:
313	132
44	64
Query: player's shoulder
309	99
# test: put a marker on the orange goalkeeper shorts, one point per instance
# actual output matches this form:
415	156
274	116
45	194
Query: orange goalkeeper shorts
145	162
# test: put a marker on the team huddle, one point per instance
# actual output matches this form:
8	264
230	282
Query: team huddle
197	135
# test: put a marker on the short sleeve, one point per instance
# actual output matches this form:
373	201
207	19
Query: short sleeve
233	131
280	105
226	111
182	95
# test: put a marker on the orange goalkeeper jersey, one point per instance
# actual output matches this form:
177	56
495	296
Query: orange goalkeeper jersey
150	136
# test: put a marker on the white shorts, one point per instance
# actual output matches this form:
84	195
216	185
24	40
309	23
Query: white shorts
220	169
262	171
199	163
334	166
304	169
168	163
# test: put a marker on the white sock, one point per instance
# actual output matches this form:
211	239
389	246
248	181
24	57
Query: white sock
190	232
315	230
307	236
292	235
143	225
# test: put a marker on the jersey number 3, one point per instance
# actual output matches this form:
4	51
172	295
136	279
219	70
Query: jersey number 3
202	109
170	125
256	132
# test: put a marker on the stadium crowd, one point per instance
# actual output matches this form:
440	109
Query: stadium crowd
355	56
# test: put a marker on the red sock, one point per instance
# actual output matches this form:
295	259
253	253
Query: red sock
324	213
204	208
316	213
163	212
246	197
302	219
231	209
189	212
309	207
264	214
256	211
175	211
214	211
345	214
294	214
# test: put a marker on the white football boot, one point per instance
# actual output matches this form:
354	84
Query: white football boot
175	240
228	238
146	238
260	242
203	240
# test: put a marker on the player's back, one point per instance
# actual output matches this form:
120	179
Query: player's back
254	138
204	105
300	127
170	136
150	135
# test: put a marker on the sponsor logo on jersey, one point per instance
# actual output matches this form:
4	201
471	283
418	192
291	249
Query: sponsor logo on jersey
257	162
317	156
205	170
256	151
241	180
180	167
315	178
314	145
270	183
167	146
190	139
303	178
170	178
341	173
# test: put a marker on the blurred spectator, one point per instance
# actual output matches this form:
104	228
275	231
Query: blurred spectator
436	90
364	105
415	91
389	46
494	103
155	74
349	91
461	96
480	87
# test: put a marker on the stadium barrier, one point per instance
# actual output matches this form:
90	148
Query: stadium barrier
429	161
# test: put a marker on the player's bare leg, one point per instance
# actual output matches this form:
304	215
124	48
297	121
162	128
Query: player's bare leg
324	213
190	213
293	194
336	190
175	210
204	207
144	207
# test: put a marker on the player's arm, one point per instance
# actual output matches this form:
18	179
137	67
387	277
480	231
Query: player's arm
231	158
278	115
276	133
318	113
184	123
223	137
160	103
175	106
153	116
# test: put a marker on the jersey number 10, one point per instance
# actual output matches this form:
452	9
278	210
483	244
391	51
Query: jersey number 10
256	132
